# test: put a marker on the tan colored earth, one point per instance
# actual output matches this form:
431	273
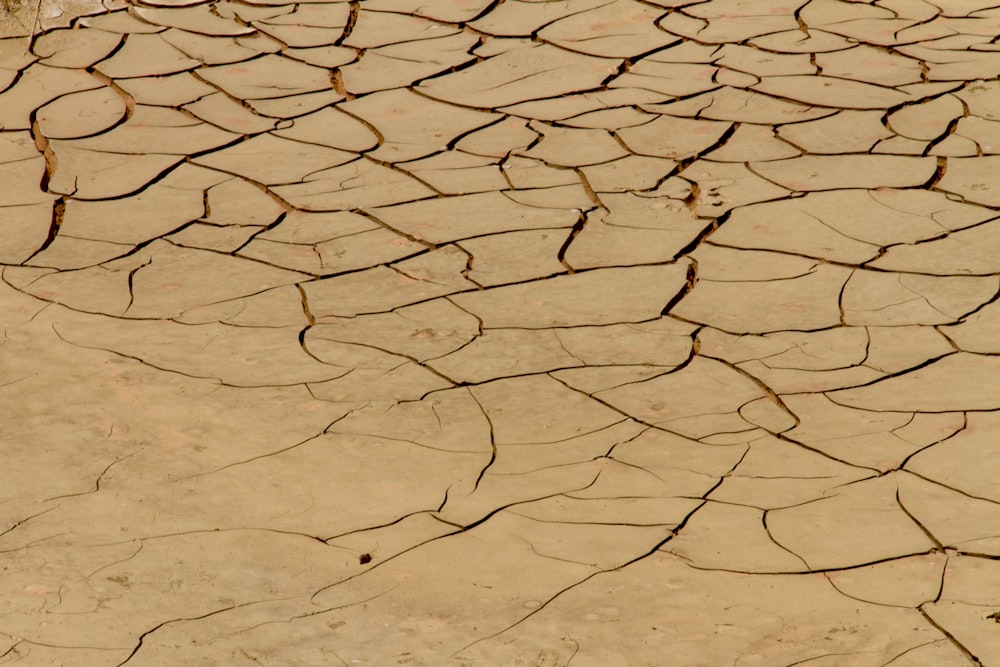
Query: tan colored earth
500	332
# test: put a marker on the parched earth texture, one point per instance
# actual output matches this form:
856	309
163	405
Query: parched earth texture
471	332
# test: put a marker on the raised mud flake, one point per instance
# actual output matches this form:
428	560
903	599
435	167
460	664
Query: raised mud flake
724	186
267	77
234	201
220	110
831	92
849	131
504	353
274	161
960	381
896	349
526	72
973	179
827	349
797	42
741	106
381	378
454	218
784	226
636	231
159	209
331	127
151	130
398	65
667	78
970	251
145	55
451	11
795	362
856	525
955	146
753	142
321	23
172	90
588	298
569	106
953	64
956	520
981	98
927	120
277	307
95	174
882	440
763	63
536	249
632	172
967	605
23	230
499	139
180	280
336	255
411	126
308	228
450	420
977	332
196	19
235	355
718	23
458	173
81	114
74	48
621	28
534	408
66	253
965	462
775	474
609	119
329	56
198	586
375	29
688	400
733	538
892	299
119	22
422	331
570	147
520	19
867	64
982	133
675	138
907	582
38	85
822	172
781	293
444	266
358	184
374	290
21	177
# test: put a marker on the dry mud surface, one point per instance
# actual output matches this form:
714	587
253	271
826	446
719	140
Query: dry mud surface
459	332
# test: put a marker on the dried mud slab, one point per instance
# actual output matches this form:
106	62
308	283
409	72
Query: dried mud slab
475	333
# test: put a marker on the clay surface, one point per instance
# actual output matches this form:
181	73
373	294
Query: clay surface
500	332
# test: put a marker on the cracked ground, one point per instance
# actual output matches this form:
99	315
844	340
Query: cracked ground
476	333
